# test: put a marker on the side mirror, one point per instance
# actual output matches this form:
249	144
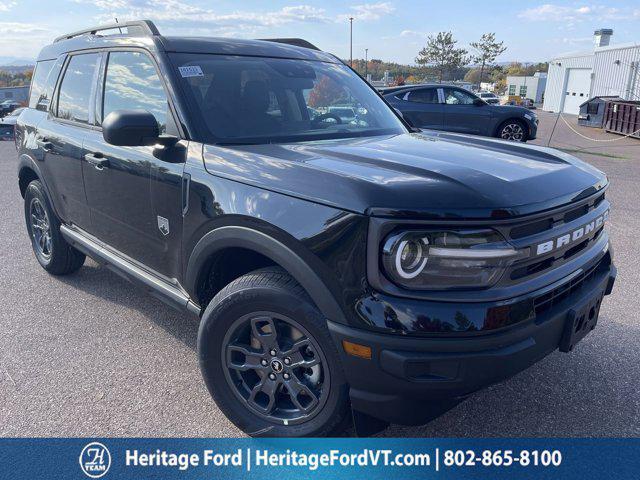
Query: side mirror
478	102
131	128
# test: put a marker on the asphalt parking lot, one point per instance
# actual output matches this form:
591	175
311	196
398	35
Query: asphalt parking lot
91	355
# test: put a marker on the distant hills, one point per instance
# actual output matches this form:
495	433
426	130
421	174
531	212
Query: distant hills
16	64
16	61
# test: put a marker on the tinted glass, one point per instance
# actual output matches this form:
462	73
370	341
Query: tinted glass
424	95
75	91
39	80
132	82
262	100
453	96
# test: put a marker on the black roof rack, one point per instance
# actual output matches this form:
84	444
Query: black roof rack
143	27
297	42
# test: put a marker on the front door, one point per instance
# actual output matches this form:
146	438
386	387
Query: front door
462	114
134	193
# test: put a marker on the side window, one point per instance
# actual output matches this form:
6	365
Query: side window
77	84
424	95
453	96
38	81
132	83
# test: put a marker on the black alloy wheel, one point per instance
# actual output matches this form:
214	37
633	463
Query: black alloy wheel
269	361
276	368
40	230
514	131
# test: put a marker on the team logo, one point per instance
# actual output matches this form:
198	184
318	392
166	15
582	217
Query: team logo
95	460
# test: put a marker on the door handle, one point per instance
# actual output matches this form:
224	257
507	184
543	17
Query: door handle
97	160
44	144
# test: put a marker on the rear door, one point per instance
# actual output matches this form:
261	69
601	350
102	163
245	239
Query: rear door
463	115
422	108
60	136
135	193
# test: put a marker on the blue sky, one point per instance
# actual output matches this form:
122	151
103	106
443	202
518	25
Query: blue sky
391	30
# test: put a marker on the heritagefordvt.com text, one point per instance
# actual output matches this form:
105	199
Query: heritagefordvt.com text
248	458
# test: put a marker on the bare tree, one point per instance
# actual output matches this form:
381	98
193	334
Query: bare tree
441	53
487	50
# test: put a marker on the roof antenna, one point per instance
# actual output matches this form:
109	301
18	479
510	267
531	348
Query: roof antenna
118	27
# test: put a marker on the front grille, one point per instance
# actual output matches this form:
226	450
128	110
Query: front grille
557	295
542	265
544	224
534	232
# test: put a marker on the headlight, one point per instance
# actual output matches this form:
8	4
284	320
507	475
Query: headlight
441	260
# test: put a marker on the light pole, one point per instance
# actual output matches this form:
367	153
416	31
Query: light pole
366	62
351	42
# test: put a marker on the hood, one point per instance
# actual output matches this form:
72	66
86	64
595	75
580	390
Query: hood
425	175
512	109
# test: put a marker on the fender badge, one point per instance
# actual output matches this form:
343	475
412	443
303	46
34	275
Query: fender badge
163	225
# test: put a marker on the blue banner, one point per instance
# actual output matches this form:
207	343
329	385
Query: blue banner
376	458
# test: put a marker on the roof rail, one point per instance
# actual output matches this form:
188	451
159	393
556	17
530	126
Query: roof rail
144	27
297	42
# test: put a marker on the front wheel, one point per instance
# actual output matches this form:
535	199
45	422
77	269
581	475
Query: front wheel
514	130
269	361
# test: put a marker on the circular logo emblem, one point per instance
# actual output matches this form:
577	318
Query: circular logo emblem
95	460
276	365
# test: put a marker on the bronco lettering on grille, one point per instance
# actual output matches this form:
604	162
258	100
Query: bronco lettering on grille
570	237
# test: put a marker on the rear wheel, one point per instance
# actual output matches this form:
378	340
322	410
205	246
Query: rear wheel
514	130
269	361
52	251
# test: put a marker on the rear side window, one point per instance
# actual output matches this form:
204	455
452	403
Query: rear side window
38	82
76	88
424	95
453	96
132	82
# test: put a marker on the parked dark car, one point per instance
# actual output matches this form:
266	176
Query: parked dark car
454	109
341	272
8	123
7	107
489	97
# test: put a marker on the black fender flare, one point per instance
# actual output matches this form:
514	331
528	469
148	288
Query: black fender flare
27	162
251	239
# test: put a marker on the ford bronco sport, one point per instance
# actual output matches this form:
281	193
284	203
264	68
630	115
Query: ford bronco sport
345	271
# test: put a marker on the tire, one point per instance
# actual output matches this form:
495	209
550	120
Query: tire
514	130
52	251
253	306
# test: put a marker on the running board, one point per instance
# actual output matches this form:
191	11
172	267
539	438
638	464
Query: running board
156	286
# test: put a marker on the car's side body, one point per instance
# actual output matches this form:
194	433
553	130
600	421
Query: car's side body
435	106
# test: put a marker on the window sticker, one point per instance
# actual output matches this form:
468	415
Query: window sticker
191	71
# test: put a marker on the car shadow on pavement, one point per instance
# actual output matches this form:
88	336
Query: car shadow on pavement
102	283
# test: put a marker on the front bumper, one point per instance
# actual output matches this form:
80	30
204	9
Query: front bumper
533	128
410	380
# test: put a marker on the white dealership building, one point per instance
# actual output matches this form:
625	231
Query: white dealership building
605	70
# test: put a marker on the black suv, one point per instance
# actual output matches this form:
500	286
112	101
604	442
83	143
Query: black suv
346	270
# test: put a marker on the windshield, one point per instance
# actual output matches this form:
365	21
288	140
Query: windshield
267	100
